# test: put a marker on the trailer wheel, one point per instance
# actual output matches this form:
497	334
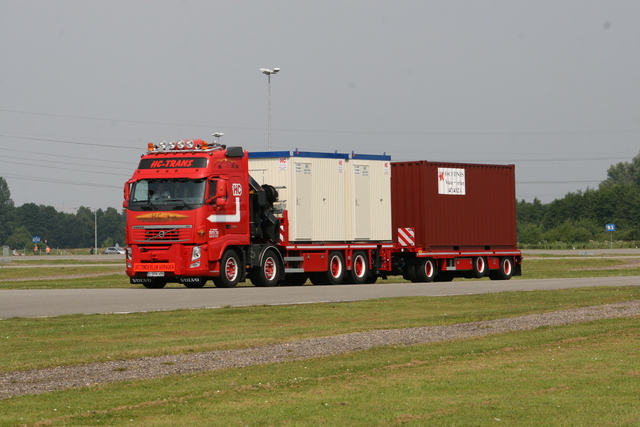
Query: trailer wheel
155	284
268	273
229	270
479	267
409	273
426	270
336	270
359	268
504	272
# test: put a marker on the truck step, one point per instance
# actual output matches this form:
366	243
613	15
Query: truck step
293	258
294	270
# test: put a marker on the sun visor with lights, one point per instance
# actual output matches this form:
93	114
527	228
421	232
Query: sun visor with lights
183	145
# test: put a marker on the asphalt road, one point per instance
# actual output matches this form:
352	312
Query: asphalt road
56	302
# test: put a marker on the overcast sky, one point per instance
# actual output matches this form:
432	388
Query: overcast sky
550	86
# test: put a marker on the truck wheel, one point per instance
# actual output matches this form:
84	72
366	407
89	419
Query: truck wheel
155	284
229	270
426	270
268	273
479	267
335	271
359	268
504	272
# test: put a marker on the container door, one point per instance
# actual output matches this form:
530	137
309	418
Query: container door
304	207
362	188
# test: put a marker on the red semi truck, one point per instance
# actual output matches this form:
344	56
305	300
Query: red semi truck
199	211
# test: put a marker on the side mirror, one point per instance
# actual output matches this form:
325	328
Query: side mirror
218	192
127	194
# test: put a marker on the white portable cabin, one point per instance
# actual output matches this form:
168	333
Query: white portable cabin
330	197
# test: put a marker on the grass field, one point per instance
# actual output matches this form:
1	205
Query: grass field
585	374
571	376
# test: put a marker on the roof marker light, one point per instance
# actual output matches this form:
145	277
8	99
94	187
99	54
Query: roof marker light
151	147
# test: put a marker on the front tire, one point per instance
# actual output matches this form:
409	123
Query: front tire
229	270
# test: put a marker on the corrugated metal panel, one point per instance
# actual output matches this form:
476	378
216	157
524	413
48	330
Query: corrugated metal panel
319	191
475	211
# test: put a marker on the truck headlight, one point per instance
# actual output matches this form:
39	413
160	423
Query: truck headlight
195	253
129	255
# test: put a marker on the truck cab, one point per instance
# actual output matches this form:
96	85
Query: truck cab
188	213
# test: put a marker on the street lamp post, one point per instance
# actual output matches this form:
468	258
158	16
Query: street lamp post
268	72
95	230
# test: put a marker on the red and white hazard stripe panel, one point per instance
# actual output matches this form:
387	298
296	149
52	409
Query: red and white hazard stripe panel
406	237
281	233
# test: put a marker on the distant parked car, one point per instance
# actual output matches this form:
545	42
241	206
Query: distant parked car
114	251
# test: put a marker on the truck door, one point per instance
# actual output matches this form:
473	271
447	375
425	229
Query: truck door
229	214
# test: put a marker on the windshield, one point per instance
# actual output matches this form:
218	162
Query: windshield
167	194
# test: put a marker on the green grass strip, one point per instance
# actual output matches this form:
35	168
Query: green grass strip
585	374
27	343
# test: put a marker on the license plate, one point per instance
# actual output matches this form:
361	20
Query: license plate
155	274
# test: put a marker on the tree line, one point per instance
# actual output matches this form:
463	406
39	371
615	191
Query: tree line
579	219
18	225
576	220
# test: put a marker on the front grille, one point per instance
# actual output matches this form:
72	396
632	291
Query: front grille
159	234
162	235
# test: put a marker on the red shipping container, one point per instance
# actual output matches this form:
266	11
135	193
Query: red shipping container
455	206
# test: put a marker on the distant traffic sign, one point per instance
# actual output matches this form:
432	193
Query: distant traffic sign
35	239
611	227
